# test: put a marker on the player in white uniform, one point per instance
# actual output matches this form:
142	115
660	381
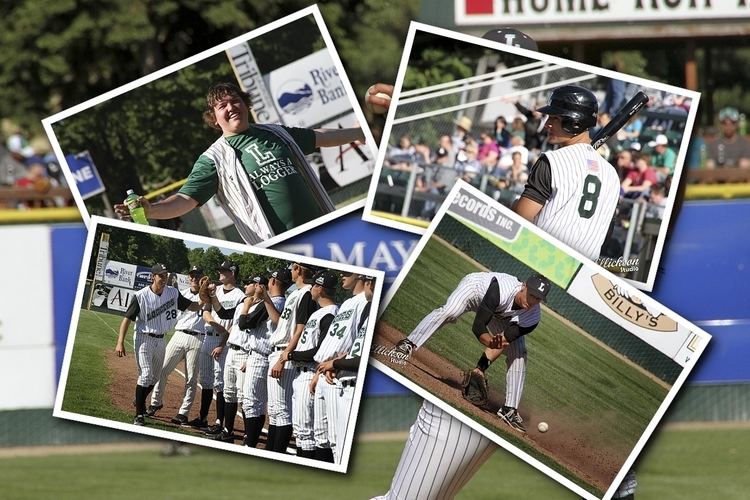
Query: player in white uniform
344	369
339	340
184	344
154	309
238	351
506	310
214	352
323	292
297	310
259	324
572	192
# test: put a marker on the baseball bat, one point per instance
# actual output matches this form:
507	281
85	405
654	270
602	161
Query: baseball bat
629	110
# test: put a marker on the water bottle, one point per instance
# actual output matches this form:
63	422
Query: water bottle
137	213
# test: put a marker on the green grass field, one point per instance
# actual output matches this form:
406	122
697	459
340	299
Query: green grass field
683	464
568	373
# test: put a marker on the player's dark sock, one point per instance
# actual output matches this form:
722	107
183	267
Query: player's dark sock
220	407
253	428
305	453
271	438
483	363
149	389
230	411
207	395
140	400
283	436
324	454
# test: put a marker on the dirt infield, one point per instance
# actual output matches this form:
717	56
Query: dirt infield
122	392
566	443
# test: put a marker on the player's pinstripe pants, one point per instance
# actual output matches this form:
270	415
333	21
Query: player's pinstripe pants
212	370
344	399
149	358
440	456
234	377
321	422
255	390
465	298
180	346
627	486
280	393
302	406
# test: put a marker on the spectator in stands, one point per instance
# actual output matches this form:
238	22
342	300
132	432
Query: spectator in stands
729	149
445	154
502	136
624	163
422	152
461	133
401	156
614	97
517	145
36	179
613	143
640	180
19	147
657	201
631	131
532	127
518	128
488	151
468	165
663	158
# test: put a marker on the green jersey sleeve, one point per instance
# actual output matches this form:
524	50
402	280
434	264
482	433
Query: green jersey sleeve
203	181
304	137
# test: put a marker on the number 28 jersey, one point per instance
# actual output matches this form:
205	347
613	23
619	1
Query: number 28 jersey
579	190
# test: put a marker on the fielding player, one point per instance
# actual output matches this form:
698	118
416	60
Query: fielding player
155	310
258	172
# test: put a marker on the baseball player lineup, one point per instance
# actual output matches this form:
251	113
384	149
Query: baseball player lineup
279	352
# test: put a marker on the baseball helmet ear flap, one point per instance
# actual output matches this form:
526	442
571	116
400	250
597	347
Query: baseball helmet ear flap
576	106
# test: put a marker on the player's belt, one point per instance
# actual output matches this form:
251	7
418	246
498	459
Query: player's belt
306	367
156	336
211	334
190	332
279	347
235	347
350	382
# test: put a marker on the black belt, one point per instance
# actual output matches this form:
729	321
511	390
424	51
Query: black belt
304	369
349	383
190	332
278	348
155	335
208	334
235	347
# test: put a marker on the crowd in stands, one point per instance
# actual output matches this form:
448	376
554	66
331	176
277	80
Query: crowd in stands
30	170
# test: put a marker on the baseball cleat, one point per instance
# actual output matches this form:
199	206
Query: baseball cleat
153	409
402	352
213	430
180	419
139	420
511	417
224	436
197	423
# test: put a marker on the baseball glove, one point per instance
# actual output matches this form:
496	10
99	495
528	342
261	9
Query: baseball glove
475	390
203	292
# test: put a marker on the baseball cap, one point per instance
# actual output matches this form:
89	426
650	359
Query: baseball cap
196	270
365	277
326	279
464	122
159	268
511	36
661	140
284	275
259	279
538	286
729	113
228	265
442	152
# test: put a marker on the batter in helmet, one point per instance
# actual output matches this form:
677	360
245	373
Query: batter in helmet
576	106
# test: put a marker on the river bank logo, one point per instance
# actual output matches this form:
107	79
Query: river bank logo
295	96
630	307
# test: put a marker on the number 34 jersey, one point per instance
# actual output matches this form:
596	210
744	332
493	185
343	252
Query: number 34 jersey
581	191
343	329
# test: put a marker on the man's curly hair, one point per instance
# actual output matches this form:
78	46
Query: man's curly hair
216	93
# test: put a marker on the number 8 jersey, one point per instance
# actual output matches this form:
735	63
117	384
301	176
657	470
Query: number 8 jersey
579	190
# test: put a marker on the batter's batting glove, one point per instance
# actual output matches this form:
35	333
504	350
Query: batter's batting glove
475	389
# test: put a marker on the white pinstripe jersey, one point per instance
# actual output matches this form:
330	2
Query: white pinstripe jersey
585	191
259	336
311	334
190	320
508	286
158	313
227	299
288	320
343	329
236	336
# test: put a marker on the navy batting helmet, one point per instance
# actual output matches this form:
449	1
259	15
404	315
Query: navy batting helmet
576	106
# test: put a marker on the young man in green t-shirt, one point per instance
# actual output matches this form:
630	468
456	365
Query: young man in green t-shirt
258	173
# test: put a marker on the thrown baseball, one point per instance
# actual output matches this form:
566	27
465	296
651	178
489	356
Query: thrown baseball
376	108
543	427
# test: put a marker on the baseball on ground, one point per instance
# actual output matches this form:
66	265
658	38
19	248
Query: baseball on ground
543	427
376	108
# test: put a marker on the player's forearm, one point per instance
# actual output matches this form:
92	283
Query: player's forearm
123	330
337	137
174	206
273	313
295	338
